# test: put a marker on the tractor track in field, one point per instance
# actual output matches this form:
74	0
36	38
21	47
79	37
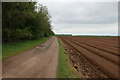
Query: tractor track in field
38	62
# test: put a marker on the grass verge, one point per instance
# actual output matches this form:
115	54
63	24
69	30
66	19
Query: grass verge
65	68
11	49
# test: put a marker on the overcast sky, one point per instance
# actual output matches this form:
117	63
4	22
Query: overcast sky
83	17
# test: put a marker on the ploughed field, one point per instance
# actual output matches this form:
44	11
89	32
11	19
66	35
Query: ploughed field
93	57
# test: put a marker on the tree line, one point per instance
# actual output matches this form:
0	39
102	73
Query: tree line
25	21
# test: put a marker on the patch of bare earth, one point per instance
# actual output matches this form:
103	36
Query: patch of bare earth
93	57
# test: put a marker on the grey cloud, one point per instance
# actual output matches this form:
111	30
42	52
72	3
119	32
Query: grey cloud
84	17
82	13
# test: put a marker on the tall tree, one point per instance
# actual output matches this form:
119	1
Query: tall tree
25	20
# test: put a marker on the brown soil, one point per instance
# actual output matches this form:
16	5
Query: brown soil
93	57
38	62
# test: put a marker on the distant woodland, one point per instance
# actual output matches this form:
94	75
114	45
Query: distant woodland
25	21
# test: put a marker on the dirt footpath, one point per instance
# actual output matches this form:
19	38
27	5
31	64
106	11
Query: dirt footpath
38	62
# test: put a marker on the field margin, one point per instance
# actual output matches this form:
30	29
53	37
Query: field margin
12	49
65	68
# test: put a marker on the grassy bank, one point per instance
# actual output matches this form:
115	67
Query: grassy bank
65	69
11	49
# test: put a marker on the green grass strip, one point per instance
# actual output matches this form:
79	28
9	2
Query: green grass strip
11	49
65	68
